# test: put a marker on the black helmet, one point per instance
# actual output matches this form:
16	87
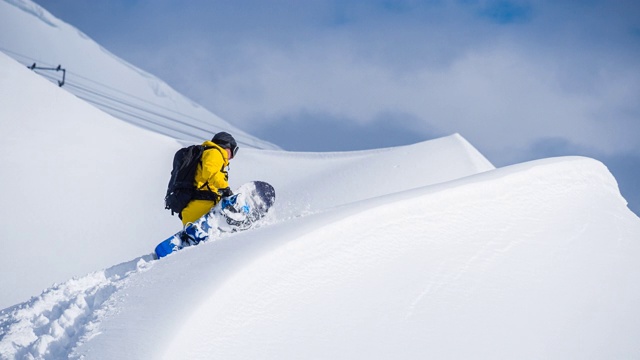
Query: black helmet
225	140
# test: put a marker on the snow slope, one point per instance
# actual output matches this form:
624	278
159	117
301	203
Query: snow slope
75	182
436	272
30	34
536	260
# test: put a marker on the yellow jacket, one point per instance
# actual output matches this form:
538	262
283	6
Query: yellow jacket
211	173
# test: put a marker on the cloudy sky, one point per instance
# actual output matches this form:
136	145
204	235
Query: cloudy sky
519	79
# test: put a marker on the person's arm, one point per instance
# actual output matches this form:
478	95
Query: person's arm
213	170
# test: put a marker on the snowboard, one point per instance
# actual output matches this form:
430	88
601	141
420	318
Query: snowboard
241	211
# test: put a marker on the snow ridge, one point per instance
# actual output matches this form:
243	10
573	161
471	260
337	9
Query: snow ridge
35	10
50	325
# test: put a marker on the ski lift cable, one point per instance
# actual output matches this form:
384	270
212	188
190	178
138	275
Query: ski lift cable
109	107
136	116
102	101
123	102
137	107
73	74
105	106
138	98
26	58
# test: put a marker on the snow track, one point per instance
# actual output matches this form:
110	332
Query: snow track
50	325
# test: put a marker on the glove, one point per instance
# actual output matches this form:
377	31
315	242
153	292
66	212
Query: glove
226	192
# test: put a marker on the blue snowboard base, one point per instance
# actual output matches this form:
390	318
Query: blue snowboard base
166	247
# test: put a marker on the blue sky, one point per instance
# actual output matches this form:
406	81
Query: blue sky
520	80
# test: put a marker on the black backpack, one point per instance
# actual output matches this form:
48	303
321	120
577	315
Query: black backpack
182	188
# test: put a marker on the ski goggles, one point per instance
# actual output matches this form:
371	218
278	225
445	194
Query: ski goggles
234	151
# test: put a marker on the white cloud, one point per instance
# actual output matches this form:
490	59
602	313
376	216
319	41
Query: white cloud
499	97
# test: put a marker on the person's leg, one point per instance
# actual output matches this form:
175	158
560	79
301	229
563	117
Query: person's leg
195	210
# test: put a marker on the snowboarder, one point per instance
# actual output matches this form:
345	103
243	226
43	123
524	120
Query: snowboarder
211	176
